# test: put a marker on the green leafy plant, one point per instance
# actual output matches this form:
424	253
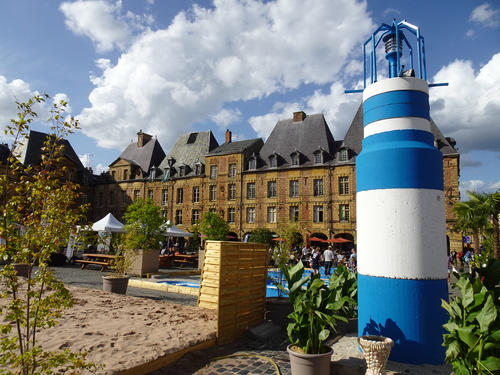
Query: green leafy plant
344	283
213	227
315	310
473	341
143	224
38	214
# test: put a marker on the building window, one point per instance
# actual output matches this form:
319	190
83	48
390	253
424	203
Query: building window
272	161
344	185
182	171
295	158
231	192
150	194
231	215
318	157
214	171
251	190
113	175
178	217
318	214
124	196
318	187
137	195
180	195
271	214
85	180
195	217
252	163
111	197
294	188
232	170
343	155
164	197
196	194
125	174
197	169
294	213
251	215
213	210
213	193
271	189
84	198
344	212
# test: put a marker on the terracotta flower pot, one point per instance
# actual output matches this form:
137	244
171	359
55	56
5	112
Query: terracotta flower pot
309	364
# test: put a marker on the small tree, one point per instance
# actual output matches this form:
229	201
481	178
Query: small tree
38	215
262	235
143	222
214	227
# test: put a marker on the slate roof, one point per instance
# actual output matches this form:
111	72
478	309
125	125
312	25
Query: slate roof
238	147
31	151
354	137
189	149
306	136
149	155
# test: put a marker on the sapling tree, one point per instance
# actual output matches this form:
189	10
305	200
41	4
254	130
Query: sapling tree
37	215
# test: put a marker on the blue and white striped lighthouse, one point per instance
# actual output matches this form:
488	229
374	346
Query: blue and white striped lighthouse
401	225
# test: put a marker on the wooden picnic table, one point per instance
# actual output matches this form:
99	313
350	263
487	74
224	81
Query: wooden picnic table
186	260
103	260
166	261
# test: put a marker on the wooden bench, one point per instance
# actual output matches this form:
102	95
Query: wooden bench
85	263
182	261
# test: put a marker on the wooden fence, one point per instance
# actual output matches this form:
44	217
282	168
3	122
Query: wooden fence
233	281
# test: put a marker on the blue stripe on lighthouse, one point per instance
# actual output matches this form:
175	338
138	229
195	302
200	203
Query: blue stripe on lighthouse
407	311
406	103
404	158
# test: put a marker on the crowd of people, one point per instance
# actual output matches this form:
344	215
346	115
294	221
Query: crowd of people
316	257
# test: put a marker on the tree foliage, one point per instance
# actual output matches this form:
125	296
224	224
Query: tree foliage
143	223
262	235
480	216
38	215
213	227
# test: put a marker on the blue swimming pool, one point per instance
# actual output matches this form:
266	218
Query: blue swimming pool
271	289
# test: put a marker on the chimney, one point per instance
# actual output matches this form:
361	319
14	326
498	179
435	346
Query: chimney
299	116
228	136
142	138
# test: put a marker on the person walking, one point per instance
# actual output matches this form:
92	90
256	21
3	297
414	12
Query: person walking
315	261
328	258
353	261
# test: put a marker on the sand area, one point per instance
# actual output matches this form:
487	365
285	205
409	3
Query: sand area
123	332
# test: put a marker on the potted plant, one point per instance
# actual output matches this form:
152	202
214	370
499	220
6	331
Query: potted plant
315	314
143	225
117	281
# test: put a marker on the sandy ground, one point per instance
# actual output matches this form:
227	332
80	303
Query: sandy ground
123	332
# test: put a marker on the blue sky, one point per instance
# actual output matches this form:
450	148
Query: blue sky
173	66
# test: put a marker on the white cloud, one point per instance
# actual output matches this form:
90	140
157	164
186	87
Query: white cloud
469	108
209	59
227	117
103	23
486	15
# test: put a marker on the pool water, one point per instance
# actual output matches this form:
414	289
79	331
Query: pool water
271	289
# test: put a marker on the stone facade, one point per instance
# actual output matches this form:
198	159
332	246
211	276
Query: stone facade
300	173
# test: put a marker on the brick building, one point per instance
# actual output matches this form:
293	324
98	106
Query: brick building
301	173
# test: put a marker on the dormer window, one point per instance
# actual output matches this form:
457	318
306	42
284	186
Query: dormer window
318	157
252	163
343	155
295	158
198	168
273	163
152	173
182	171
170	161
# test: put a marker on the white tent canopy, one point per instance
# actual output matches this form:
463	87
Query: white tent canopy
108	224
173	231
